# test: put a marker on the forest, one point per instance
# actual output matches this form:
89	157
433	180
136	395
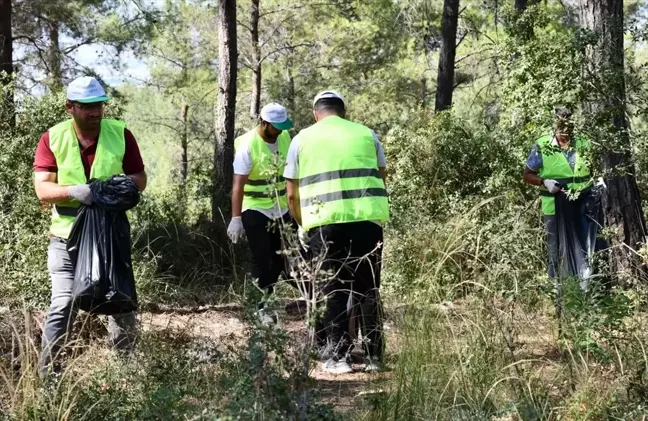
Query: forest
458	92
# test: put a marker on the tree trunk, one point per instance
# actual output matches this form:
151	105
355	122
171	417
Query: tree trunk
445	78
6	57
606	106
6	46
520	5
292	92
225	112
255	106
184	169
54	57
423	100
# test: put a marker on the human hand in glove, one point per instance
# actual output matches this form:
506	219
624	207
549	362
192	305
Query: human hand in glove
552	185
304	239
235	229
82	193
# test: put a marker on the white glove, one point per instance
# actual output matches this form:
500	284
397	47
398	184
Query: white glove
82	193
235	229
552	186
304	239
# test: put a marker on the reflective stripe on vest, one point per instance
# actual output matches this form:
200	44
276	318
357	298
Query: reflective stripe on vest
339	180
555	166
107	162
266	186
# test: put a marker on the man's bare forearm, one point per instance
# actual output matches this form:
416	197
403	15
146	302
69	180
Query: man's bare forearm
50	192
383	174
237	201
140	180
531	177
238	190
293	200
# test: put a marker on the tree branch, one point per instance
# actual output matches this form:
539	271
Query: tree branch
287	47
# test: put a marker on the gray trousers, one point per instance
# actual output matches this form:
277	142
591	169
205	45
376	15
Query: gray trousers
58	324
551	229
553	251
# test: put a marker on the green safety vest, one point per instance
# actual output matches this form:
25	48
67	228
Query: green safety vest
107	162
266	186
555	166
339	180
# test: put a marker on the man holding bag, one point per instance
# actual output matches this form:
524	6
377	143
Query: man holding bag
67	156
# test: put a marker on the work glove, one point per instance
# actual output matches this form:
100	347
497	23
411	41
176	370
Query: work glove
82	193
552	185
304	239
235	229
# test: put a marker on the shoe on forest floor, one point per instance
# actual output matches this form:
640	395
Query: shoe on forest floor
373	366
333	366
266	317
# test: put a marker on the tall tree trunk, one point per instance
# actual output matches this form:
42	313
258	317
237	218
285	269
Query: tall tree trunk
606	106
292	92
6	46
423	100
255	106
184	143
225	113
6	57
445	78
520	5
54	56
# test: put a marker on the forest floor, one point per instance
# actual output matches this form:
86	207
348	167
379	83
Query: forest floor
226	324
227	327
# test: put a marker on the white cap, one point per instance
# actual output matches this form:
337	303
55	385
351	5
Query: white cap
328	94
86	90
276	115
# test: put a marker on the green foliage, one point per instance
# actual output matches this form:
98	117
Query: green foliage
23	221
543	71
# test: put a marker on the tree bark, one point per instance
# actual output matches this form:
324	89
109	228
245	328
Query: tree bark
292	91
6	57
423	100
606	106
54	57
445	78
6	45
184	143
255	106
225	112
520	5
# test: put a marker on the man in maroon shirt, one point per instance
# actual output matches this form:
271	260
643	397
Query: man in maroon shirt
85	101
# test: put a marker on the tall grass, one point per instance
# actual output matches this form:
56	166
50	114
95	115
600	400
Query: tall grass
478	339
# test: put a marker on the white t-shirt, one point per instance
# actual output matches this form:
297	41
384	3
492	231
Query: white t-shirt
243	164
292	160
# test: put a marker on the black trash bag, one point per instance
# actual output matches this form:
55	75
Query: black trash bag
100	249
579	222
118	193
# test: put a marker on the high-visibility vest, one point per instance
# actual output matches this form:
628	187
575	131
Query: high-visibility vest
107	162
266	186
555	166
339	181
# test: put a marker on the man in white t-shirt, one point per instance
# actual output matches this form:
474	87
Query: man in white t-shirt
336	187
259	202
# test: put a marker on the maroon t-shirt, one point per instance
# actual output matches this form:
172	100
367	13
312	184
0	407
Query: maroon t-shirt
45	161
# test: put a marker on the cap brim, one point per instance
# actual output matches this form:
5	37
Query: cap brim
92	100
286	125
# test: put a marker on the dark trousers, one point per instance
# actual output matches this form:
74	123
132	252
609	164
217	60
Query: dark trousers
349	259
264	236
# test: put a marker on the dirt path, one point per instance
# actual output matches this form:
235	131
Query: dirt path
344	392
